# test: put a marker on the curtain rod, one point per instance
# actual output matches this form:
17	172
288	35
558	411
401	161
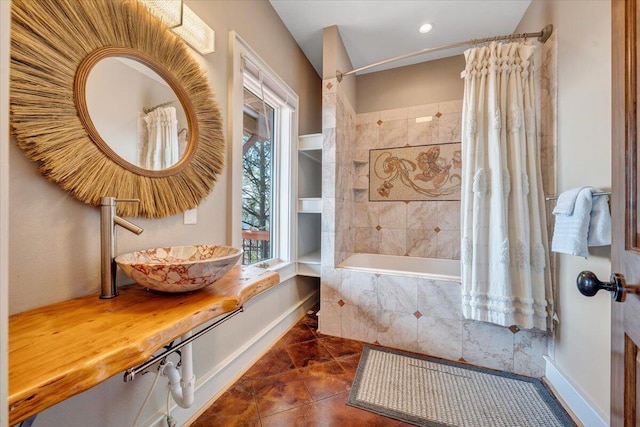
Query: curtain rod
542	36
147	110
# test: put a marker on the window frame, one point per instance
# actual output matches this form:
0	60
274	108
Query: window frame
284	101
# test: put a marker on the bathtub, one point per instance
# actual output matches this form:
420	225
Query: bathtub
415	304
429	268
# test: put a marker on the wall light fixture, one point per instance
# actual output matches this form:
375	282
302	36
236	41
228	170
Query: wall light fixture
184	22
195	32
169	11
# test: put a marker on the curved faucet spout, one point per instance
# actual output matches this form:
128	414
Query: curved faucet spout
108	222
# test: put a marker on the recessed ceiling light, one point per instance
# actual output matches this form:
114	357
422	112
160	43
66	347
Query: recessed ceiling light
425	28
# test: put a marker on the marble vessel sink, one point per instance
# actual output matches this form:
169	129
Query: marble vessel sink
179	268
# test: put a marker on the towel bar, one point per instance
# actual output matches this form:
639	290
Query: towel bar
597	193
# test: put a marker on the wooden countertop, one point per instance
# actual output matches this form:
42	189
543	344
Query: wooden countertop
63	349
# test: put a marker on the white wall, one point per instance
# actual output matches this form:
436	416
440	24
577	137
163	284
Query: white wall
54	240
582	344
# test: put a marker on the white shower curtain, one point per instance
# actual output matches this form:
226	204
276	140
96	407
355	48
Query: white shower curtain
161	148
505	268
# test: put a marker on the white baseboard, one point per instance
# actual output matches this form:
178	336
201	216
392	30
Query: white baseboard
582	408
217	379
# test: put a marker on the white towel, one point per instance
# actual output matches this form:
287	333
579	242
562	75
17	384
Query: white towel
600	222
566	201
581	221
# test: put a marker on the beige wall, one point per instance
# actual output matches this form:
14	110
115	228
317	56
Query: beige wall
425	83
54	243
257	23
54	239
4	208
584	143
335	57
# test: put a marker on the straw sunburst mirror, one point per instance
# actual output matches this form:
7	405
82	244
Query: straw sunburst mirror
54	45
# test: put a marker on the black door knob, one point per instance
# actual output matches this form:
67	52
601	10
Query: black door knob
589	285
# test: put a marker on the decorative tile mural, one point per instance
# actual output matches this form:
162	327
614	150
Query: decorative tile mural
427	172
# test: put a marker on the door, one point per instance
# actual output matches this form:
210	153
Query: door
625	250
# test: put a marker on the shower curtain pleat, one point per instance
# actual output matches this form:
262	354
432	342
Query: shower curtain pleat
161	149
505	269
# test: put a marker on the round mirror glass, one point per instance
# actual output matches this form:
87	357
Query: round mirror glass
136	112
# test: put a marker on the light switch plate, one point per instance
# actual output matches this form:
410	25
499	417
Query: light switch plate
191	216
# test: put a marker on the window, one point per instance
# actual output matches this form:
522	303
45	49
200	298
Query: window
263	130
257	173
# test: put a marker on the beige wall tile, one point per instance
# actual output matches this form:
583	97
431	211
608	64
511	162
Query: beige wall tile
395	114
449	128
422	243
393	134
448	244
392	214
450	107
393	241
367	241
397	330
440	337
422	215
422	110
424	133
367	136
368	117
498	355
449	215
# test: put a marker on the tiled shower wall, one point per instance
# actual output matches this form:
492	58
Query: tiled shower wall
404	312
429	229
338	150
410	312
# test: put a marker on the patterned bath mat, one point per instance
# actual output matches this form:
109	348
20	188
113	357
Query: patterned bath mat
436	393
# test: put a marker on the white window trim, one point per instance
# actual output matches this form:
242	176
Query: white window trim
285	100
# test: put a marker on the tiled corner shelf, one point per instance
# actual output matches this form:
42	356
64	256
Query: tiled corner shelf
63	349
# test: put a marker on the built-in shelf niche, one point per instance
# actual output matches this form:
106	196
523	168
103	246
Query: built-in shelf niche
361	175
309	207
309	226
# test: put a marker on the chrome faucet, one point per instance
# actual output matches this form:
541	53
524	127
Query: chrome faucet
108	222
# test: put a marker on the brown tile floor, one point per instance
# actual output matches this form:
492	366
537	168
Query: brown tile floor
303	380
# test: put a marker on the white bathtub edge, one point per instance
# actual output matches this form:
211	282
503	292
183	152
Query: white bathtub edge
415	266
